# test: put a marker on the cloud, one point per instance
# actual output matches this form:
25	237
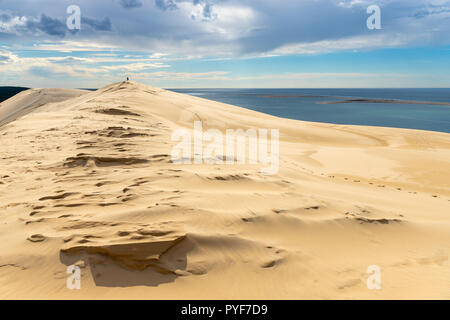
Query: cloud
351	3
21	67
44	69
130	4
4	17
231	28
167	75
135	66
432	10
108	67
204	11
99	25
72	46
358	43
10	24
6	57
68	60
166	4
48	25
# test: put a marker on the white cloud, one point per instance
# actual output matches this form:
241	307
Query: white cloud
7	57
12	24
72	46
136	66
14	65
167	75
228	22
344	44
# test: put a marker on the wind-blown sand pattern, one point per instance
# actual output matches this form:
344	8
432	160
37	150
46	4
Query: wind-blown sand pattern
86	178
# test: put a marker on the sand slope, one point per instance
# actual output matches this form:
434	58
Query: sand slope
88	180
28	100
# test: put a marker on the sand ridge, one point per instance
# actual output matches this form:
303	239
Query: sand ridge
29	100
86	178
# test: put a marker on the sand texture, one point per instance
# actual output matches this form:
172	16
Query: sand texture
86	178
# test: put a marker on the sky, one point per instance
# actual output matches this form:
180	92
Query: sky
226	43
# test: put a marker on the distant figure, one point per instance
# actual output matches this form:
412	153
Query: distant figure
128	79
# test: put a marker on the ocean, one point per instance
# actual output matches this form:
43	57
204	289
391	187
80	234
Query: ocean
308	105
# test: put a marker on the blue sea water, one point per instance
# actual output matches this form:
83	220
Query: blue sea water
302	104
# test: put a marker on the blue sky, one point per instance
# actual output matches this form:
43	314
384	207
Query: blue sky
226	43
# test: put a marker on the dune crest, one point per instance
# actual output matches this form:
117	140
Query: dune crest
87	179
29	100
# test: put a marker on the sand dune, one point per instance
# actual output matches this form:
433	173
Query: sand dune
87	179
28	100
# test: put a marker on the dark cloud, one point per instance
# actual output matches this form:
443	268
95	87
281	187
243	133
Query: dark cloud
129	4
99	25
207	10
56	27
166	4
4	17
227	27
48	25
207	7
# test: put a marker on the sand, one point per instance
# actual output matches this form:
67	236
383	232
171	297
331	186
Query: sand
26	101
86	179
